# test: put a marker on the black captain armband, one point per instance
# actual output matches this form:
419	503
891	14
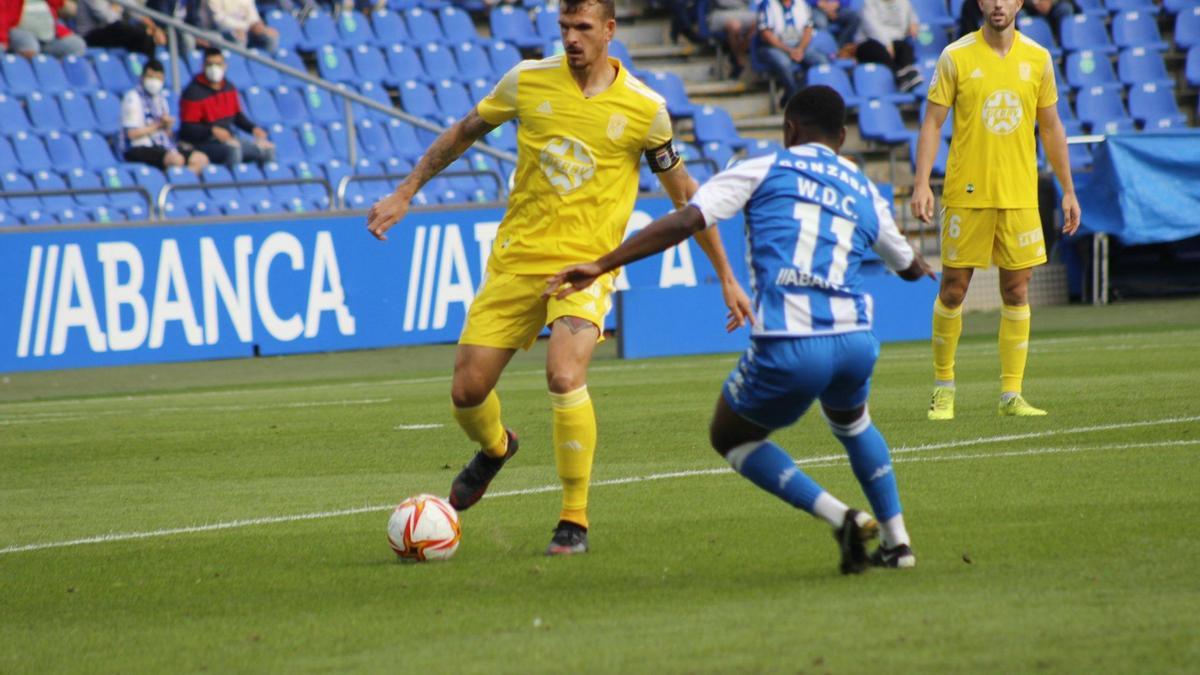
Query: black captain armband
663	158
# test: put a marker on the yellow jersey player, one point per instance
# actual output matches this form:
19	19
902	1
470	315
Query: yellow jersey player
585	123
1000	84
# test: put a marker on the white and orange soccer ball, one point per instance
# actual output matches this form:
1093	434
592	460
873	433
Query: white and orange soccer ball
423	528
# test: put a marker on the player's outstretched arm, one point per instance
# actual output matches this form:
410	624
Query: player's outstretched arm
927	147
918	270
680	186
1054	140
654	238
449	146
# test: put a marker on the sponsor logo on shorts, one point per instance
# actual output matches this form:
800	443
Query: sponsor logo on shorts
1029	237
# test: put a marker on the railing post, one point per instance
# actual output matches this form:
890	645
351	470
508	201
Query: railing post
173	46
351	136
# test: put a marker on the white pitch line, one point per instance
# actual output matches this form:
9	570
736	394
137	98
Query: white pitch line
416	427
34	418
810	462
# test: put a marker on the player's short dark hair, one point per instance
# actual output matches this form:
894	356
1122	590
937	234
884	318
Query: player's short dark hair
608	7
155	65
213	51
818	108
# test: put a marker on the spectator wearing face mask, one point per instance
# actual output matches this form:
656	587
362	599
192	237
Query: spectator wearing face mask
147	126
212	115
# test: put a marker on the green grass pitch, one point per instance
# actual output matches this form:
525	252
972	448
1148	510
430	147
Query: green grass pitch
1060	544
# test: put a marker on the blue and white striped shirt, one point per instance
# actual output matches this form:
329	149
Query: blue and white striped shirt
810	217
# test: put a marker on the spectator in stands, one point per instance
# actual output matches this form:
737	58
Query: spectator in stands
211	113
147	125
683	20
839	19
888	27
738	21
240	22
1053	11
784	31
970	18
103	24
28	27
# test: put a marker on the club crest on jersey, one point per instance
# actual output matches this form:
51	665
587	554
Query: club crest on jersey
1002	112
567	163
616	126
1025	70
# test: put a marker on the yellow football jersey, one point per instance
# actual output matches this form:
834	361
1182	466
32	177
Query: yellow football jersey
993	155
577	163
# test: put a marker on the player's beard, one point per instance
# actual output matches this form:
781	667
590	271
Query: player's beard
1001	23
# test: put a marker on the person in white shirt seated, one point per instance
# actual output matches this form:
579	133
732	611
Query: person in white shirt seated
147	133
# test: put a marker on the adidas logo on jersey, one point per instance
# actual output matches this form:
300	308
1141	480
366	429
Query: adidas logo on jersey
976	74
545	108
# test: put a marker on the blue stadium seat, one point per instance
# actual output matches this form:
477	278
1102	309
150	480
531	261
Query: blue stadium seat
1092	7
671	88
948	125
321	106
1140	65
1101	109
760	147
8	158
63	151
714	124
369	64
281	194
1089	69
503	137
876	81
473	62
719	153
50	75
114	75
939	161
403	139
880	121
81	74
290	102
824	43
373	139
389	28
1083	31
423	25
479	88
378	94
1137	29
513	25
13	115
335	171
265	76
439	62
338	141
504	56
452	99
313	193
250	194
1118	6
290	57
83	179
44	112
835	78
151	178
354	29
107	109
220	196
931	40
12	181
18	74
1038	29
616	49
237	70
1153	106
334	65
417	99
1187	28
30	151
319	30
290	33
1191	67
1180	6
77	112
288	150
97	154
933	12
545	21
134	62
184	200
261	107
114	178
48	180
403	64
457	26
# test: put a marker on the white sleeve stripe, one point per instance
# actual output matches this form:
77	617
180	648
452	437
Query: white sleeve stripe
726	193
891	245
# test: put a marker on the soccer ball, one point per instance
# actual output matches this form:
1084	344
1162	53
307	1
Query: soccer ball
424	528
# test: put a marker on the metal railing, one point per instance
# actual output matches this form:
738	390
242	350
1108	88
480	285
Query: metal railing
174	26
72	192
167	189
344	184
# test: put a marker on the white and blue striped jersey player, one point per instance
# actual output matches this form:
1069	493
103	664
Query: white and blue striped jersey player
811	217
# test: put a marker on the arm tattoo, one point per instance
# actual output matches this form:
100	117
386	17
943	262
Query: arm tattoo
449	146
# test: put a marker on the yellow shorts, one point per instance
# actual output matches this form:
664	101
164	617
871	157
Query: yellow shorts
1009	238
509	312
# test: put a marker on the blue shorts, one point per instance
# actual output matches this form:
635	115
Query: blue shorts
777	379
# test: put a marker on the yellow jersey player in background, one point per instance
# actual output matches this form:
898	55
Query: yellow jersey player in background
585	123
999	83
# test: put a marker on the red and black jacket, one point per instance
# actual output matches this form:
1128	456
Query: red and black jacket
201	108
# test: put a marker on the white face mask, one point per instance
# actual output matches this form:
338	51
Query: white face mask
152	85
215	74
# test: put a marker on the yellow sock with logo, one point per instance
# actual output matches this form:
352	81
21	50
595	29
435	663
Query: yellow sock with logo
574	448
482	424
947	327
1014	347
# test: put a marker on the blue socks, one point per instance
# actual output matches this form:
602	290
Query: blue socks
872	464
772	469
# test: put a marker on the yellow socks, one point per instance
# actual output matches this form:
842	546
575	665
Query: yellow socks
1014	346
574	448
947	327
482	424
